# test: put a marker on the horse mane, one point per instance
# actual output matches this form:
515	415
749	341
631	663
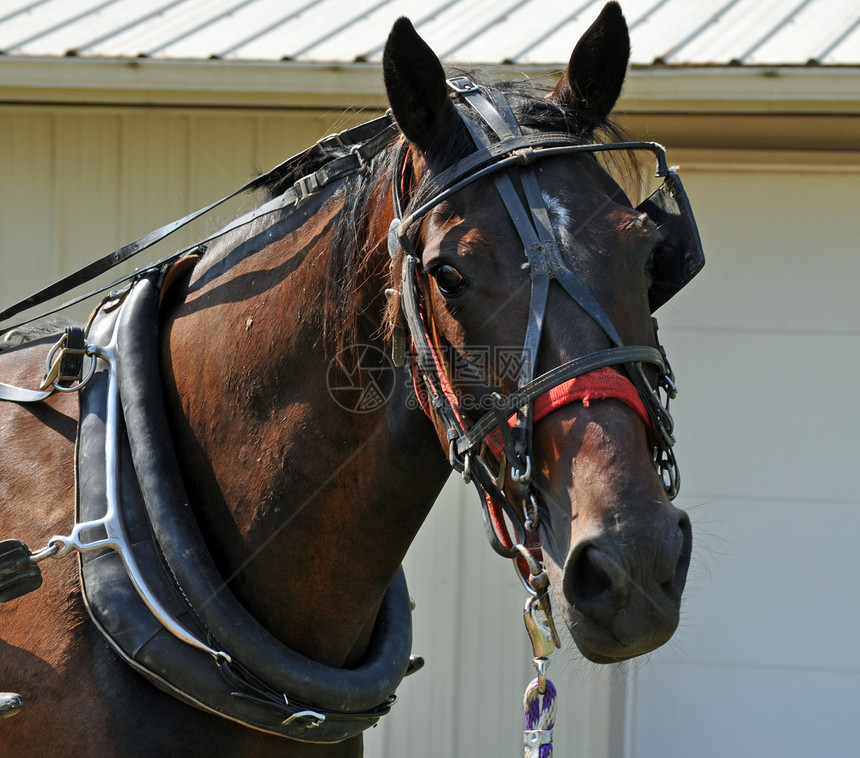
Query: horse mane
351	314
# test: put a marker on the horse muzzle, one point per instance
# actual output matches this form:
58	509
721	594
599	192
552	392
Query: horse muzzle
621	598
619	565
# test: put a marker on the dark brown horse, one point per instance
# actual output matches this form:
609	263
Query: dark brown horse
308	506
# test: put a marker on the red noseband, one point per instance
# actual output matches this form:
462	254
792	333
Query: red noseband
602	384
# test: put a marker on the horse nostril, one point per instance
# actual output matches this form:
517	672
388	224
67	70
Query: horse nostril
673	574
591	578
591	581
686	552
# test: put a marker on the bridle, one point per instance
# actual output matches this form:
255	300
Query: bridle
512	418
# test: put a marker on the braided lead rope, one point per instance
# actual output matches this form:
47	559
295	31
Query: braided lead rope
540	719
539	700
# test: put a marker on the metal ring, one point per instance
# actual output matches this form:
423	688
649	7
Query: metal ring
534	565
363	163
84	380
58	547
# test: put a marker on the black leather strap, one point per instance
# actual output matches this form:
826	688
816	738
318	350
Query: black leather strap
511	152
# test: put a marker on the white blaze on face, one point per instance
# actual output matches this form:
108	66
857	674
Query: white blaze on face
561	220
558	214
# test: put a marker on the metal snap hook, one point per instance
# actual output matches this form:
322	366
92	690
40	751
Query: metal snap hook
538	631
531	512
520	476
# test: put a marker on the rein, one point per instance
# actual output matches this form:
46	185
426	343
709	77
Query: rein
342	154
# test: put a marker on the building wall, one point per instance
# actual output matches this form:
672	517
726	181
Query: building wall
765	345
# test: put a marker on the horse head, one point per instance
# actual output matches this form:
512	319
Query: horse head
522	267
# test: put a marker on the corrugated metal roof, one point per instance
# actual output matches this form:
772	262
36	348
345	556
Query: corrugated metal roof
672	32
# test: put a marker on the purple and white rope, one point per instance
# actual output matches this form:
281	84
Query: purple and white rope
540	719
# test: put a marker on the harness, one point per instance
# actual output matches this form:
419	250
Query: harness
503	153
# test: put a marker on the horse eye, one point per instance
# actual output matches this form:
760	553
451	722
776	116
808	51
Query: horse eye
448	279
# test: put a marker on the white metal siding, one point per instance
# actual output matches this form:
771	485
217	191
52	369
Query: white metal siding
767	350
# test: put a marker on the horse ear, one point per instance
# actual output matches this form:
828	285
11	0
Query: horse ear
598	65
415	83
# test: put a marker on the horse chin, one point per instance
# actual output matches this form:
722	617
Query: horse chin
602	644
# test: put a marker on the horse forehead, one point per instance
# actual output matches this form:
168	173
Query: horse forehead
600	223
474	221
590	211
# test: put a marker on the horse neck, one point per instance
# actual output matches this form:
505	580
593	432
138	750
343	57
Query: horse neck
308	506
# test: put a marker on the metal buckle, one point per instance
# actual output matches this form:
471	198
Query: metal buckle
307	719
462	85
305	188
64	366
332	142
363	163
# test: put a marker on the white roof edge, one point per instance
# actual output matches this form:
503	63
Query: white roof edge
747	89
216	83
813	89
